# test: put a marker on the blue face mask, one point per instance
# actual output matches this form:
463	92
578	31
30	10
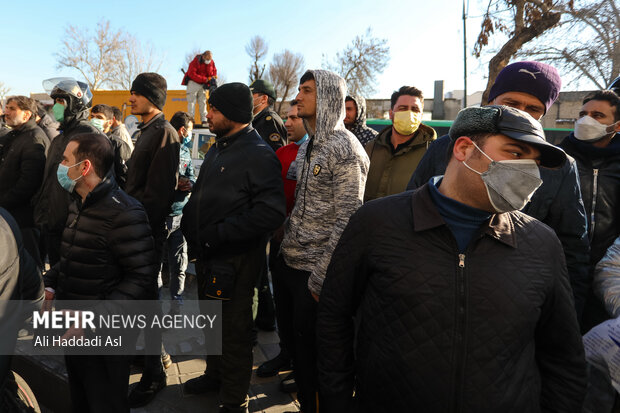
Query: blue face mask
98	123
187	139
67	183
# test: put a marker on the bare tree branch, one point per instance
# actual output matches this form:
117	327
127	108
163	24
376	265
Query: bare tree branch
586	45
136	58
525	21
257	49
284	71
4	92
360	62
106	57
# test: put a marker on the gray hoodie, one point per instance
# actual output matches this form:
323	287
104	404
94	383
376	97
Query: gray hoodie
332	167
359	128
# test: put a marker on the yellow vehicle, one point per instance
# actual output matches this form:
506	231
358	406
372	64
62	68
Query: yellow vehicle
176	100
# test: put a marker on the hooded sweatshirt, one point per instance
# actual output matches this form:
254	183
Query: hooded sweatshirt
331	168
359	128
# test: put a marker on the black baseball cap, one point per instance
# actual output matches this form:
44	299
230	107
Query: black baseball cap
511	122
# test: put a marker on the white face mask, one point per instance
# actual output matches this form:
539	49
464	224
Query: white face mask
588	129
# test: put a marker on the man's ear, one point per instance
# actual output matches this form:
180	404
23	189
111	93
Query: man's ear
88	167
463	147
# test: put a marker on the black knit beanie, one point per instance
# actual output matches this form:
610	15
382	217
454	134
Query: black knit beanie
152	86
234	100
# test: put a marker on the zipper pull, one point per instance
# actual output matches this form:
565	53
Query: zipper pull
462	260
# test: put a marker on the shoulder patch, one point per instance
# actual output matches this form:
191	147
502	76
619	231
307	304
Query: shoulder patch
316	170
274	137
268	118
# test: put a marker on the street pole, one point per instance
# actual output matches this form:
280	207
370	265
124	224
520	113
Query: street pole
464	55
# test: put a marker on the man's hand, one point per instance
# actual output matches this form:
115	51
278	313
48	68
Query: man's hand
76	332
49	300
184	184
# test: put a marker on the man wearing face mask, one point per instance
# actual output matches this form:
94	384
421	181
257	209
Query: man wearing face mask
267	122
463	302
596	147
176	247
103	224
200	76
101	116
72	99
397	150
533	87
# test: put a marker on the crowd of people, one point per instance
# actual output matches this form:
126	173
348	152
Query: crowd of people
409	272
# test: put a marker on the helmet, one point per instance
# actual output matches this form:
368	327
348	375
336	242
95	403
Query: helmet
76	93
615	85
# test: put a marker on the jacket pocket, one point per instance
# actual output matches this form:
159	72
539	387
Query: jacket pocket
220	279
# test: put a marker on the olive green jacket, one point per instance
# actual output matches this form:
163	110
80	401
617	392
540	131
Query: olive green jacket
390	172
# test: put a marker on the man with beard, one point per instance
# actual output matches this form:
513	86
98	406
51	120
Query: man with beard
236	203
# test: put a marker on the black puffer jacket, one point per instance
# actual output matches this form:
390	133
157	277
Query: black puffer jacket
599	176
107	250
22	160
556	203
238	198
491	330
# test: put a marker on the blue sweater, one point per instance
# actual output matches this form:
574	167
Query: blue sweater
464	221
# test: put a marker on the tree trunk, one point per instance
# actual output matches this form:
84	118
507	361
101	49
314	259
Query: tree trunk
512	46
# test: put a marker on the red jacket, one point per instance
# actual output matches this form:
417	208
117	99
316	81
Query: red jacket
201	72
287	155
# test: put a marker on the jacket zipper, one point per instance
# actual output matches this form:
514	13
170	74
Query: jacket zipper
459	334
594	195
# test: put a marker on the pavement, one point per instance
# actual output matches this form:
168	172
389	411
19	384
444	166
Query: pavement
47	378
265	395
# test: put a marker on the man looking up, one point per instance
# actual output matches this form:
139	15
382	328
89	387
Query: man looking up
533	87
331	175
397	150
236	203
596	147
22	161
463	303
355	119
152	178
267	122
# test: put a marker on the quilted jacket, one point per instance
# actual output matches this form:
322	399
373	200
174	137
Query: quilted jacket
556	203
107	250
490	330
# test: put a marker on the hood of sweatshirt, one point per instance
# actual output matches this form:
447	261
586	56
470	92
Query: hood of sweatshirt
331	90
360	119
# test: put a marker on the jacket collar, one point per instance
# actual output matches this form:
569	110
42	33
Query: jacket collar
225	141
143	126
424	136
426	216
107	184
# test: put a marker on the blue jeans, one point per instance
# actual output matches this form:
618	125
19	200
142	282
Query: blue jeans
176	250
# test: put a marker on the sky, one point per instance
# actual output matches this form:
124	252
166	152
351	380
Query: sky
425	37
